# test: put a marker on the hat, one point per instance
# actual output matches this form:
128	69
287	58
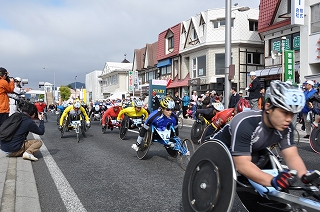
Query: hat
3	71
252	73
154	93
214	92
240	92
310	82
208	92
17	79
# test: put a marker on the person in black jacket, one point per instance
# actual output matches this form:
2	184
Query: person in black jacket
155	101
254	89
177	102
206	100
234	98
19	145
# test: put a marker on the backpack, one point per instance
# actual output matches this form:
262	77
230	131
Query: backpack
10	126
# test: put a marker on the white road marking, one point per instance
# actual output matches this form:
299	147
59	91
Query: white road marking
68	196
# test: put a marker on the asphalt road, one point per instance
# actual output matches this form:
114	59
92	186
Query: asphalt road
102	173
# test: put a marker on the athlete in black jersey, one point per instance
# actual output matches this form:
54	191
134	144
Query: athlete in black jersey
251	131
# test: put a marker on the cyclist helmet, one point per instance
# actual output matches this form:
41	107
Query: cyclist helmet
40	100
137	103
117	104
76	104
283	95
242	105
218	106
167	102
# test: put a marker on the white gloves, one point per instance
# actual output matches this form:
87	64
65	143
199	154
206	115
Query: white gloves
88	124
247	89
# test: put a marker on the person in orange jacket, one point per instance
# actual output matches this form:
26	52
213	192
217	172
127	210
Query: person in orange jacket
6	86
111	113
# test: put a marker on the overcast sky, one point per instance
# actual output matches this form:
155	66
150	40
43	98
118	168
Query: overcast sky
75	37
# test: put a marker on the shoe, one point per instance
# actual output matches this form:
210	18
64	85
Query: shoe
28	156
306	136
111	128
170	144
135	147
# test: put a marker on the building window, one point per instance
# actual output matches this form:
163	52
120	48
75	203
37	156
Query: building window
315	18
220	64
199	65
221	22
254	58
170	42
194	34
165	70
253	25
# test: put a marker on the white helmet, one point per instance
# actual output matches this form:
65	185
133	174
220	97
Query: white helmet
18	79
285	96
218	106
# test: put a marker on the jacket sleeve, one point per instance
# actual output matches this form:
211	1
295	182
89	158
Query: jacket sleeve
64	114
84	113
39	130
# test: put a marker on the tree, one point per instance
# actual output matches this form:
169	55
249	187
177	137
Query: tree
64	93
70	86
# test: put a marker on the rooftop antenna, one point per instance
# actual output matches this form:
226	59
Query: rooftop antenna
125	55
235	4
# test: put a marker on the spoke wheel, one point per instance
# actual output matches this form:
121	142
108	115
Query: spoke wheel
83	128
145	145
64	128
78	132
209	130
180	122
124	127
209	181
185	158
196	131
315	140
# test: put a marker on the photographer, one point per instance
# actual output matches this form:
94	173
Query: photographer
14	97
6	86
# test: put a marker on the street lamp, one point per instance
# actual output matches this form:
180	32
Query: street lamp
228	50
54	83
75	86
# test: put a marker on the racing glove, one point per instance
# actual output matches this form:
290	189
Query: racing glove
283	180
88	124
60	128
310	176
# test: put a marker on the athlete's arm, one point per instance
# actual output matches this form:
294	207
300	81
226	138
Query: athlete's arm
84	113
293	160
64	114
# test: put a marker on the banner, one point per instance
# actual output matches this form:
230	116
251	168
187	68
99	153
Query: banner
289	65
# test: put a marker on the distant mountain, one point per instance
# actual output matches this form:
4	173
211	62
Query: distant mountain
78	85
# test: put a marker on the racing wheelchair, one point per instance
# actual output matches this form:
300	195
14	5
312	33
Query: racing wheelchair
76	123
211	182
197	128
177	148
110	124
130	123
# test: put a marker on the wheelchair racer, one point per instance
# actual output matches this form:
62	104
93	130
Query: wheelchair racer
111	113
161	118
209	113
134	111
41	106
223	117
251	131
73	111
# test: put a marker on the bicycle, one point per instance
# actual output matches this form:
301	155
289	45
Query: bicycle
204	188
197	128
129	122
77	124
183	150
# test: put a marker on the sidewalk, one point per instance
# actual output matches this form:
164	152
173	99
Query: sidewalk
18	190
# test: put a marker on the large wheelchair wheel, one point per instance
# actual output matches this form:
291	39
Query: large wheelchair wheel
315	140
106	125
196	131
185	159
145	145
208	130
64	128
124	127
209	182
83	128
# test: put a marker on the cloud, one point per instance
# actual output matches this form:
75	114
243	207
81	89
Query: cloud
75	37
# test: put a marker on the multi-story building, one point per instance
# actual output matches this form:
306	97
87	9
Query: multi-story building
202	48
92	86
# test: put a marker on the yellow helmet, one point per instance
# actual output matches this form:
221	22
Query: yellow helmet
167	102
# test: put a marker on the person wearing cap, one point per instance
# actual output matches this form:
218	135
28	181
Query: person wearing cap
254	90
6	86
185	103
14	97
206	100
155	101
308	93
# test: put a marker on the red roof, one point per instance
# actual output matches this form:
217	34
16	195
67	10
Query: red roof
162	42
179	83
268	9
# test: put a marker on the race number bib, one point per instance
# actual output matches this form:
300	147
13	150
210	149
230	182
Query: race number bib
113	122
137	121
294	98
75	123
165	134
97	107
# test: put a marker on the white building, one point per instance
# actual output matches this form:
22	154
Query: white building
94	91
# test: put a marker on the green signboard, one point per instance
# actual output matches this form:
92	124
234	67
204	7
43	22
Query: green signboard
289	65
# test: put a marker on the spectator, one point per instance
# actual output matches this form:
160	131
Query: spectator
240	94
190	111
177	102
234	98
185	102
6	86
309	92
155	101
261	99
213	96
15	96
254	90
19	145
206	100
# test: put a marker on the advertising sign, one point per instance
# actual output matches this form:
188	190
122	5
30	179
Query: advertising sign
297	12
289	65
131	81
158	86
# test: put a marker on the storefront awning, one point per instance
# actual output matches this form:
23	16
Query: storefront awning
274	71
179	83
165	62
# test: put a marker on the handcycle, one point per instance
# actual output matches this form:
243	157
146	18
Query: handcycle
76	123
177	148
130	123
197	128
211	182
315	139
110	124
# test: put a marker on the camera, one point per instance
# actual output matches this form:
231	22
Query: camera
8	78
